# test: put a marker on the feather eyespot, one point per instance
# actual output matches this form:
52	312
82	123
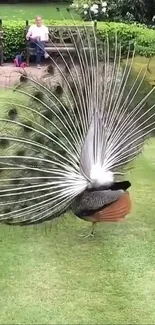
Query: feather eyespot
39	139
12	113
20	152
15	181
48	114
38	95
27	126
4	143
50	69
7	210
23	78
58	90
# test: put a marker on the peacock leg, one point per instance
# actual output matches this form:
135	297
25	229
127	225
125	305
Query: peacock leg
91	233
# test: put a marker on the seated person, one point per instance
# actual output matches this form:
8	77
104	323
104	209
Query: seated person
37	35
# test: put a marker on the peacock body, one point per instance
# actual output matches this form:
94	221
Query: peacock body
68	138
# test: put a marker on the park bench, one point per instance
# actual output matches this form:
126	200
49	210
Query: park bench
1	43
62	39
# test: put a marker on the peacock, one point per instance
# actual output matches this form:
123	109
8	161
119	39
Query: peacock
68	138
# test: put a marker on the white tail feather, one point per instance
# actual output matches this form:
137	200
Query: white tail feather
61	144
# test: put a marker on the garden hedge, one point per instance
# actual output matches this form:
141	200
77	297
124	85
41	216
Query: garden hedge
143	36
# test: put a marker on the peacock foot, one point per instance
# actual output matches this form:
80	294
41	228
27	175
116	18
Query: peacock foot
91	233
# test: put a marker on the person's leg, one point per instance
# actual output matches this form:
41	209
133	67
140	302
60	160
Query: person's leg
38	57
39	48
40	45
33	44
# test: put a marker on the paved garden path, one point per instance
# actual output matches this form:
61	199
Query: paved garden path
9	75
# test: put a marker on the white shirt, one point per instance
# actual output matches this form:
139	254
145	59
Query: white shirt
35	31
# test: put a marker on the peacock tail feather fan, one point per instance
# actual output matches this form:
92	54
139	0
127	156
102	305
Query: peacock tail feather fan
66	137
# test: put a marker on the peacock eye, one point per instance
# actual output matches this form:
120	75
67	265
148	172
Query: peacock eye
39	139
12	113
15	181
21	152
50	69
7	210
27	127
58	90
39	95
23	78
4	143
48	114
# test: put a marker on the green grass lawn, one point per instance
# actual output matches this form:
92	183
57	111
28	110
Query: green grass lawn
30	11
50	275
142	62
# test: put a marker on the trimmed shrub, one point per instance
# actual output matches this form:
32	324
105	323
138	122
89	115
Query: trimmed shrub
139	35
127	33
14	38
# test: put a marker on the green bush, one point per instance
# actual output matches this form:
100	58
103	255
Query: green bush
139	36
13	38
127	33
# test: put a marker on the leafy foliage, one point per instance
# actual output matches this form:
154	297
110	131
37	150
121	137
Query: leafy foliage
120	10
139	35
143	36
13	38
90	10
31	1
